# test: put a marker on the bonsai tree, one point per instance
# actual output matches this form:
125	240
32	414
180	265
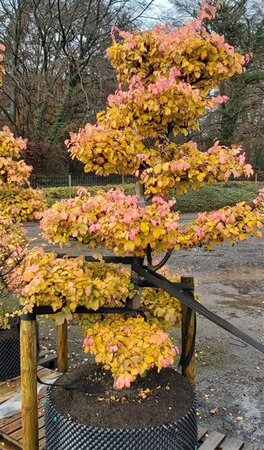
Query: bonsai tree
168	79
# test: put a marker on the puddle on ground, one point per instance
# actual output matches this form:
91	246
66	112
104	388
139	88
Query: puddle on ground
235	273
245	301
239	286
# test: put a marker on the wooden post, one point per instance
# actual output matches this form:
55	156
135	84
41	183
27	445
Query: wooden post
256	179
70	184
28	355
62	347
188	338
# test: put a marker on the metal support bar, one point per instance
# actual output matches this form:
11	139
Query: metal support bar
186	298
134	303
144	283
47	310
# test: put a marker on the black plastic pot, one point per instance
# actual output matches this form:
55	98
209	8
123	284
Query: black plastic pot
10	351
65	434
10	354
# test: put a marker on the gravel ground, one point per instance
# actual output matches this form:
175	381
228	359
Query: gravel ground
229	373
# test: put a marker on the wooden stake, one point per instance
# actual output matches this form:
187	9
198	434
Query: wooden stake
70	185
28	355
188	336
62	347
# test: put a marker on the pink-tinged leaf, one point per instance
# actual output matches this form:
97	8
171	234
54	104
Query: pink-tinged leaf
88	341
248	170
132	234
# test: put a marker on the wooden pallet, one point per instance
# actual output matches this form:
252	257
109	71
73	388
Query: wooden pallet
218	441
11	427
11	387
11	435
46	359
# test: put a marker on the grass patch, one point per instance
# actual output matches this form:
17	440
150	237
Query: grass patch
10	303
208	199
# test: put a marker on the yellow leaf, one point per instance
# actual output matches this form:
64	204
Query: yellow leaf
98	256
137	241
148	359
158	168
200	177
129	246
157	232
144	227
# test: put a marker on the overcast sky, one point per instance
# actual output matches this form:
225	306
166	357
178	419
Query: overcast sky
159	8
163	5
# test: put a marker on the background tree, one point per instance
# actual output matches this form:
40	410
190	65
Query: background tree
57	74
13	242
239	120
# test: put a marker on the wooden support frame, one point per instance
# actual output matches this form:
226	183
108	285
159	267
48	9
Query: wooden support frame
62	347
188	360
28	348
29	401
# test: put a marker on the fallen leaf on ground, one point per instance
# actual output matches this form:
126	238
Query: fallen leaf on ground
215	410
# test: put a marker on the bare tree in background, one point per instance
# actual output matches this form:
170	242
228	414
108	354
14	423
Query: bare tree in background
57	75
240	120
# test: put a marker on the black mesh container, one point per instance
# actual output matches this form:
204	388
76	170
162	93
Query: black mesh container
64	434
10	357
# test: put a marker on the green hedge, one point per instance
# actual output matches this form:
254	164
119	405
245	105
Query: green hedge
217	196
209	198
54	194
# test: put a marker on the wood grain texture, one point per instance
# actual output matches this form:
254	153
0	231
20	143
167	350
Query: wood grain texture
28	352
213	441
188	336
62	347
232	444
6	445
11	434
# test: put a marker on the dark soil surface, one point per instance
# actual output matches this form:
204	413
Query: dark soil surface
229	373
156	399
